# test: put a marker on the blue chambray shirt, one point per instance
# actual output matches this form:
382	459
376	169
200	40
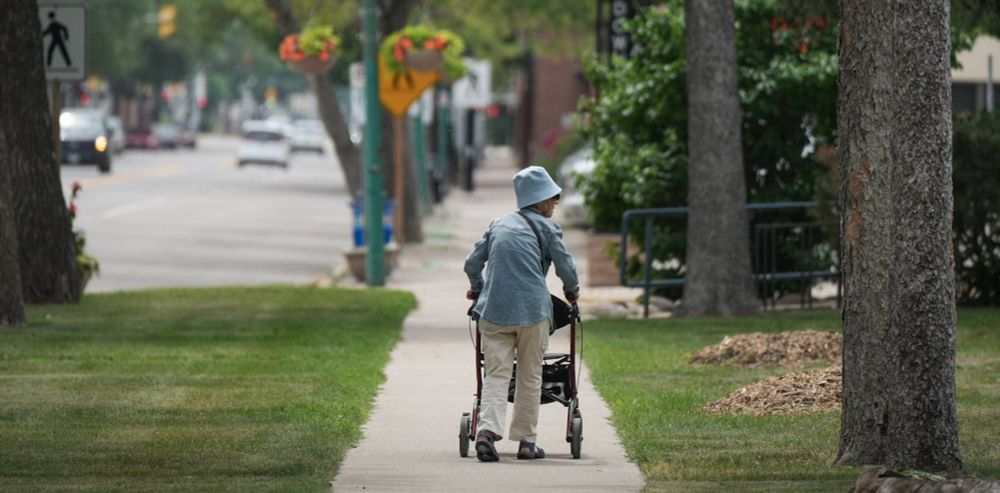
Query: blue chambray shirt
514	292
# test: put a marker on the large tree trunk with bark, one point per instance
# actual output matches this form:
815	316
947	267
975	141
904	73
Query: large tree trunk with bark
11	298
894	128
49	273
718	278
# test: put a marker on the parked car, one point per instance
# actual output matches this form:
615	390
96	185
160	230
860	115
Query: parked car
188	138
574	208
263	143
84	138
167	134
141	138
117	139
307	135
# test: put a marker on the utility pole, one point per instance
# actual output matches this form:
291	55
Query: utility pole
443	137
421	154
375	260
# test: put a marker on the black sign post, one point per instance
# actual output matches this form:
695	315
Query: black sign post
612	39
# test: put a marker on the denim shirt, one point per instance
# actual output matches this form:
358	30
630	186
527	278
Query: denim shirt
514	291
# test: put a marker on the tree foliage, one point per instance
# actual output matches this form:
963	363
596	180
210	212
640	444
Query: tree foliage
976	224
788	92
976	16
638	123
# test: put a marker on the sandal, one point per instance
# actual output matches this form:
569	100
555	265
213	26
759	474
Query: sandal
528	451
485	451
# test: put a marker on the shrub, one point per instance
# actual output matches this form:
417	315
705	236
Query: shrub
638	124
977	209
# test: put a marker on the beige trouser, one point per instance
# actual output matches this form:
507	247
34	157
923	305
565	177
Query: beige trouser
499	343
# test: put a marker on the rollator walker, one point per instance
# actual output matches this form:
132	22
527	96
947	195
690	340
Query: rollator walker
560	377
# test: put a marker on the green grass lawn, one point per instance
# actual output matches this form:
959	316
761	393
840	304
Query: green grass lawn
640	368
224	389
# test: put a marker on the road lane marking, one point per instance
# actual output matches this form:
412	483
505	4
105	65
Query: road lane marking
159	171
130	207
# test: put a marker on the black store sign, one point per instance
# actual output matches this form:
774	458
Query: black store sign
612	37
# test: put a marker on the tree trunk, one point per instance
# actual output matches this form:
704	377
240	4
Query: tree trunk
894	126
11	298
413	219
395	14
49	273
335	123
718	279
326	100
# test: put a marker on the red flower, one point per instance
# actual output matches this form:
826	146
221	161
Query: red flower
77	186
72	210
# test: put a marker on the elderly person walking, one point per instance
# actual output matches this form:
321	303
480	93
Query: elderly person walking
515	309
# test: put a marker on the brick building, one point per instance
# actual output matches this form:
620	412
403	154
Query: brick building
548	92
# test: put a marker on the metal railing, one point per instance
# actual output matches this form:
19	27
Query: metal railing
764	252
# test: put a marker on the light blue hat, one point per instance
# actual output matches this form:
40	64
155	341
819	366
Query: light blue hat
533	185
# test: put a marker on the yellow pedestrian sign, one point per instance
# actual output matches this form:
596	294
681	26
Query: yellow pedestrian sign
398	91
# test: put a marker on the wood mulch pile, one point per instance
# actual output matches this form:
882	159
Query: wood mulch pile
810	391
784	349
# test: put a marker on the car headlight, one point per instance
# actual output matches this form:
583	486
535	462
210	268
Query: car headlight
101	143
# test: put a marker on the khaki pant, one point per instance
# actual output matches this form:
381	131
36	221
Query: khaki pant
499	343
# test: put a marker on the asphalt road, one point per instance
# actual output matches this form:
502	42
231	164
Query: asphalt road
192	218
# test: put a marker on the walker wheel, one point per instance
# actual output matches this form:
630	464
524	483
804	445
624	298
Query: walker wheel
574	443
463	435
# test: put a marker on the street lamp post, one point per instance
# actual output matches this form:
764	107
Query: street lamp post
375	259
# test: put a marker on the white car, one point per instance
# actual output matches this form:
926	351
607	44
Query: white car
307	135
263	143
574	208
117	139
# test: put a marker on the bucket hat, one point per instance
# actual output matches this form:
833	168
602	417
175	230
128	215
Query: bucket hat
533	185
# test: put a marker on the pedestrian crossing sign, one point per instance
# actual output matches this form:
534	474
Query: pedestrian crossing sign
64	38
398	91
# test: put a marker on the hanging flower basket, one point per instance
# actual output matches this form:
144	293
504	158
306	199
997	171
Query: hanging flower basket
312	52
425	49
424	60
311	65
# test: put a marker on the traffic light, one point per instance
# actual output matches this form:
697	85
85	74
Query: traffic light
167	18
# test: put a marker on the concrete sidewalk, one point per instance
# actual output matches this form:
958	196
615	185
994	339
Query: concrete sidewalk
411	439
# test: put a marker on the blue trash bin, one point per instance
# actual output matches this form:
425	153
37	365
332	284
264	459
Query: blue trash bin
358	211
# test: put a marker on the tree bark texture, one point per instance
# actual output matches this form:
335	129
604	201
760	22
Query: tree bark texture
393	16
49	273
335	123
894	127
11	297
718	277
326	101
414	219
